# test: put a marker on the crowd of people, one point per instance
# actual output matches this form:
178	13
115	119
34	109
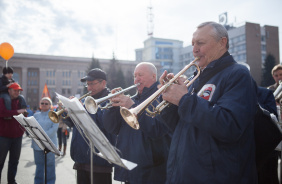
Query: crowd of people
205	135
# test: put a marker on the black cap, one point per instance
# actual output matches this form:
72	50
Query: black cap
94	74
7	70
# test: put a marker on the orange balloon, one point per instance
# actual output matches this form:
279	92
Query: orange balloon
6	51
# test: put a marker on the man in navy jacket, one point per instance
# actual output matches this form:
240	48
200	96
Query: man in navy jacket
148	146
80	150
213	139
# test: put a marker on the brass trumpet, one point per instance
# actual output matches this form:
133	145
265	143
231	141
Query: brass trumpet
54	116
130	115
92	105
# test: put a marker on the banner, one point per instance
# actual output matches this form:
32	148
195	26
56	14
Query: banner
45	92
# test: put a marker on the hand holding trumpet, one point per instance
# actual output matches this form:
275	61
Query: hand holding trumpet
121	99
174	92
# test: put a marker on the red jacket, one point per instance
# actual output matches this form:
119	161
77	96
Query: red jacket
10	128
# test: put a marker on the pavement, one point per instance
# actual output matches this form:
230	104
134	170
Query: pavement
26	168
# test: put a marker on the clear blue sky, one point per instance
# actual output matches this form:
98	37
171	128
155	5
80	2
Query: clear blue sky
81	28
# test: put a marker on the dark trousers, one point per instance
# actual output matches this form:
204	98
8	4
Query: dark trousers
62	138
268	173
13	146
83	177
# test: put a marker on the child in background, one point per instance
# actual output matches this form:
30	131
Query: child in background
5	81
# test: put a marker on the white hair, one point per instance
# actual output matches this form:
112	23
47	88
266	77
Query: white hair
150	66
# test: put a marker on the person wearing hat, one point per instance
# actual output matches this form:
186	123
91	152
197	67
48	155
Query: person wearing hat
5	81
96	82
11	132
51	130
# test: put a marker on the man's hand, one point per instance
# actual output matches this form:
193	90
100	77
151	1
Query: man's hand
121	99
21	111
9	84
164	78
175	92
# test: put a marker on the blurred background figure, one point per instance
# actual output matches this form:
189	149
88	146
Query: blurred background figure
62	131
277	76
51	130
29	111
5	81
11	133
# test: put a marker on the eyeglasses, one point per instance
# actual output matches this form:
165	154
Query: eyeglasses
92	83
44	103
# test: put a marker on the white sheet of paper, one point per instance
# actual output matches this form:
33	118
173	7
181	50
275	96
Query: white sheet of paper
82	119
37	133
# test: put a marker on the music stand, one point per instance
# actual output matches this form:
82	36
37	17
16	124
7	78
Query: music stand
88	127
39	136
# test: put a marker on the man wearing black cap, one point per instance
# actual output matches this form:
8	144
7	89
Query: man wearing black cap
5	81
96	82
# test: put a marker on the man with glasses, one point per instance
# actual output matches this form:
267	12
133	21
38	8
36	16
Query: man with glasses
11	133
96	82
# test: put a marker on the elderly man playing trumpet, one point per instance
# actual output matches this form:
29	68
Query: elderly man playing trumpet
148	146
213	139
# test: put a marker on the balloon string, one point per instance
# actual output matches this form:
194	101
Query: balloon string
7	64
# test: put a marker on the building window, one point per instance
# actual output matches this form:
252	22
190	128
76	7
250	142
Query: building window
263	47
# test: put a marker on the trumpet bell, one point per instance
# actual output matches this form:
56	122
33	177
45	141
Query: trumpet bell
91	105
54	116
130	118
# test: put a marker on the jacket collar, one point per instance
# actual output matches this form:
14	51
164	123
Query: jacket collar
102	93
148	91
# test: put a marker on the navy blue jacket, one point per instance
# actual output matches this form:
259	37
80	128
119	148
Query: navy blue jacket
80	150
148	146
213	139
267	100
4	81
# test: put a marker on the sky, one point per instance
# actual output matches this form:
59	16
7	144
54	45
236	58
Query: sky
99	28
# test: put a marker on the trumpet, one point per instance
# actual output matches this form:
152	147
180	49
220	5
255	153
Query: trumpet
130	115
54	116
92	105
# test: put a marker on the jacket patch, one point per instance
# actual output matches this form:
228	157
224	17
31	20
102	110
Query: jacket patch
207	91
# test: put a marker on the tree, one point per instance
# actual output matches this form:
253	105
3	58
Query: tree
267	78
115	77
94	64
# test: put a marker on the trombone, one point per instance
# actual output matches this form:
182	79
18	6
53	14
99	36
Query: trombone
54	116
130	115
92	105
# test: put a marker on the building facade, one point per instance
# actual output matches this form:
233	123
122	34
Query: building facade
164	52
61	74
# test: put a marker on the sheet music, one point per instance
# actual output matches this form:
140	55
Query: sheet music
37	133
82	119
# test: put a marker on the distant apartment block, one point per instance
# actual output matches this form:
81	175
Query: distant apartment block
249	44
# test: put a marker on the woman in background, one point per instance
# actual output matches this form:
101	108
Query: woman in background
51	130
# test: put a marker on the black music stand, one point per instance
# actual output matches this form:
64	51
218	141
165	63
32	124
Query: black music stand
39	136
86	126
